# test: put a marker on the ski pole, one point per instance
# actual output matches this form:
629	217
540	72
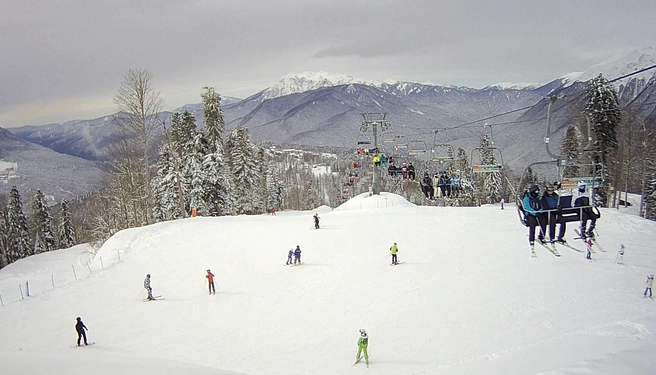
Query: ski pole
386	256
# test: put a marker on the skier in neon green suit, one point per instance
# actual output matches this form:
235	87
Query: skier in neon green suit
363	343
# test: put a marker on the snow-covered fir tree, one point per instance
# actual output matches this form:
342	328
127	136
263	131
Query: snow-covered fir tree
569	147
219	187
67	237
213	117
167	186
3	235
492	181
650	200
18	236
603	109
195	174
274	188
44	236
243	165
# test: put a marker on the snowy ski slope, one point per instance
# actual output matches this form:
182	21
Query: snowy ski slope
469	298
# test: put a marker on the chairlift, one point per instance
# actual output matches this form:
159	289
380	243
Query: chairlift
401	142
441	151
588	172
416	147
486	168
388	138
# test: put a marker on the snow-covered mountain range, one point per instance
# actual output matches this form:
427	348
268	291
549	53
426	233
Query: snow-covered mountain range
319	108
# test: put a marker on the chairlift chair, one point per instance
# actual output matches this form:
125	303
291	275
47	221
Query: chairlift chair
486	168
401	142
589	173
416	147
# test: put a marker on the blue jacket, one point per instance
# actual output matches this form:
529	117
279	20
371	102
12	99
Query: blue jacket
291	252
549	202
531	205
297	252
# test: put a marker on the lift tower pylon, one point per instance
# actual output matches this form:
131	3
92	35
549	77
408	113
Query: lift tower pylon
377	122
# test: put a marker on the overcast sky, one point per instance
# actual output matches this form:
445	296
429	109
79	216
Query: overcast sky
64	60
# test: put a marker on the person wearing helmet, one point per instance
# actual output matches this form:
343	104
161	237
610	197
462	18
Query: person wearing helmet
210	281
363	344
427	186
551	203
290	255
533	212
297	255
393	250
80	327
316	221
586	212
588	249
148	288
650	283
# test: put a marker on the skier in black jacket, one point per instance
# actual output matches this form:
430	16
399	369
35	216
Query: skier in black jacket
80	327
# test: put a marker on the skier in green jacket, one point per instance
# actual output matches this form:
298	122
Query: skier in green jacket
394	249
363	343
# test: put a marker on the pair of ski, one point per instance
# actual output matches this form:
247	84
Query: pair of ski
594	241
81	346
552	249
397	263
155	298
358	361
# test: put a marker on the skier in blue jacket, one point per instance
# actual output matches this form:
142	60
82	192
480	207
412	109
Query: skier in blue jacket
550	201
290	254
297	255
533	212
80	327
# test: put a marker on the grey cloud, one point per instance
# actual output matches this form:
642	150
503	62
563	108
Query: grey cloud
56	52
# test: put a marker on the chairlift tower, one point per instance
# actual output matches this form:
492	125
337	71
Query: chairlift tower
377	122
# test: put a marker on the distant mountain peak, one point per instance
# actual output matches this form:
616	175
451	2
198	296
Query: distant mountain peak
306	81
618	65
513	86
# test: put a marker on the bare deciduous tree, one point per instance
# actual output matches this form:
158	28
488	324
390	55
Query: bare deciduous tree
139	104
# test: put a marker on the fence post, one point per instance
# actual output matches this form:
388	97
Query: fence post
101	263
75	274
1	303
52	277
88	266
20	286
27	288
119	255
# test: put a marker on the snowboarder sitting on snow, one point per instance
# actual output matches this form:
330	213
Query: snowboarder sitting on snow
394	249
586	212
533	212
650	283
316	221
290	254
363	343
210	281
80	327
148	288
297	255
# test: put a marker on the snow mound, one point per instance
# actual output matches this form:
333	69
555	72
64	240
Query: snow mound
366	201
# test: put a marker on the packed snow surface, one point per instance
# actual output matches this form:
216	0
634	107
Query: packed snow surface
469	298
